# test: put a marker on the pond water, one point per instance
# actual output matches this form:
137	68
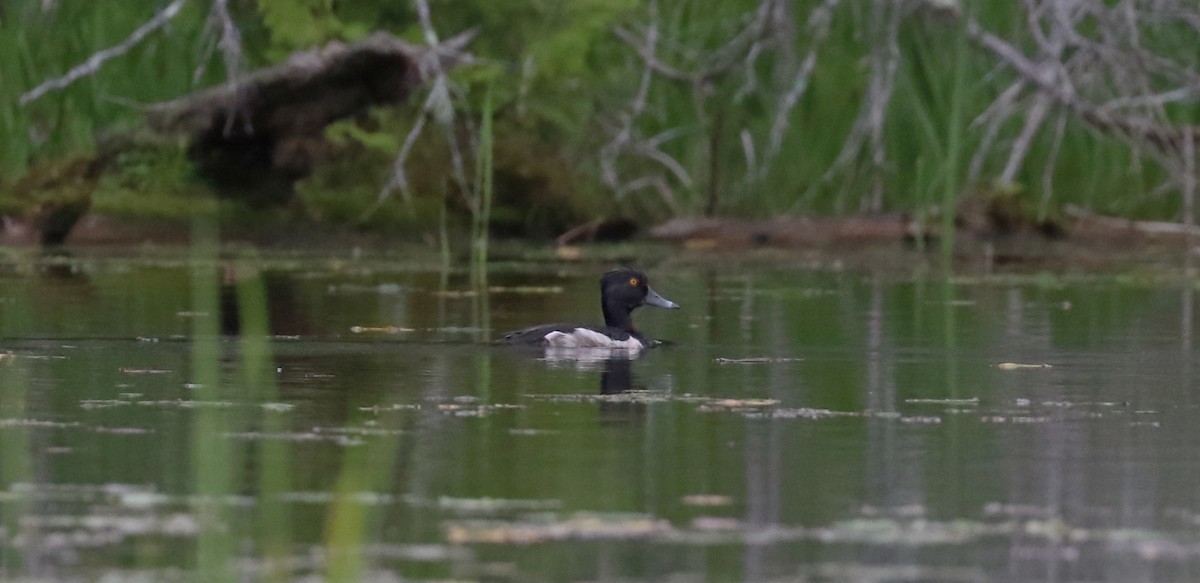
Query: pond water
171	417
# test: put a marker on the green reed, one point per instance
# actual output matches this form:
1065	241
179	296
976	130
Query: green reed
352	518
273	523
37	44
212	455
927	120
482	214
16	461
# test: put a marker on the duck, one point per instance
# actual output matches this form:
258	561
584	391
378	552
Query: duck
622	291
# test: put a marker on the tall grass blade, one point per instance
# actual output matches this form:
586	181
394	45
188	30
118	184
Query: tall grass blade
210	450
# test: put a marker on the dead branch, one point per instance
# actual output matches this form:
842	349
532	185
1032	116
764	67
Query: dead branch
1097	62
1052	79
1146	227
766	30
440	105
818	22
868	126
97	60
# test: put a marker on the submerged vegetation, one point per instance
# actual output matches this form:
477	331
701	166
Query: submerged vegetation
646	109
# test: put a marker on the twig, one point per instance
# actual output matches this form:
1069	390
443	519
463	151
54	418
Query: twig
94	62
818	22
399	178
996	113
1147	227
868	125
439	104
1051	161
231	48
1033	123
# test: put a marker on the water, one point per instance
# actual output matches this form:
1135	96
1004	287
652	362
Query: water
808	425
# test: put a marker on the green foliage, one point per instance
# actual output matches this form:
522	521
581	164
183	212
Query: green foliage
301	24
346	132
572	30
561	84
38	44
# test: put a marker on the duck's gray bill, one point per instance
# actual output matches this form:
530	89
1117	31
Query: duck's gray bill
653	299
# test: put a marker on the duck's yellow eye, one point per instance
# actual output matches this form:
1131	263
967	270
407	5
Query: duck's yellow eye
634	282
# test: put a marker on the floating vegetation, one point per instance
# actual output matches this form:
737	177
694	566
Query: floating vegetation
808	413
472	410
360	431
383	289
301	436
921	420
393	407
707	500
33	357
526	289
380	330
756	360
1018	365
960	402
427	553
122	430
41	423
624	397
362	498
99	530
531	432
736	404
549	528
716	523
455	294
494	505
1015	419
144	371
187	404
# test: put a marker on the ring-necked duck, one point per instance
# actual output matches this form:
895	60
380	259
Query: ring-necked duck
621	291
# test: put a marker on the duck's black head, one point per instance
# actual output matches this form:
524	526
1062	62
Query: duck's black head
622	291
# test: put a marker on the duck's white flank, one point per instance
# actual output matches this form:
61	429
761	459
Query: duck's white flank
584	338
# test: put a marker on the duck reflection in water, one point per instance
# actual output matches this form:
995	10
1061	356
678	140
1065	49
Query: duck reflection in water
614	364
616	377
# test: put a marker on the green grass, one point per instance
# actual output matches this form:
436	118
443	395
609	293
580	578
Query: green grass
567	102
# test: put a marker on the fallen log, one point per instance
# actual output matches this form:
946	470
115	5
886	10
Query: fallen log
785	231
254	137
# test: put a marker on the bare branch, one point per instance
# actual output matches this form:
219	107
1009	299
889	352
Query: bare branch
439	104
818	22
97	60
1003	107
885	56
1033	123
1051	161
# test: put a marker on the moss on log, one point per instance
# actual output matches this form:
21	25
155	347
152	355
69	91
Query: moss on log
253	138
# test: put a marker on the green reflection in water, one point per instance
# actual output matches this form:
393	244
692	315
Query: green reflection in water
210	451
353	520
16	462
273	518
